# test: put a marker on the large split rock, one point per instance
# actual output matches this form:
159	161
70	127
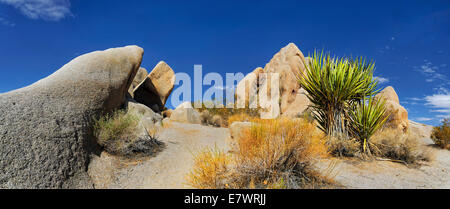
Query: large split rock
398	118
141	75
156	88
185	113
283	97
46	128
247	89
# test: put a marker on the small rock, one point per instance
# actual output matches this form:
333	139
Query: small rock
185	113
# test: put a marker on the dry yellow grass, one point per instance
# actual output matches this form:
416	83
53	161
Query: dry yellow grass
272	154
210	170
344	147
225	114
112	130
396	145
241	117
441	135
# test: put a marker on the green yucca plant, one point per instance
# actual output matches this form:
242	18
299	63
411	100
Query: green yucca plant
333	86
366	118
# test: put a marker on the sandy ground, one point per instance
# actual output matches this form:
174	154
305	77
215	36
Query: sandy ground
389	175
166	170
169	168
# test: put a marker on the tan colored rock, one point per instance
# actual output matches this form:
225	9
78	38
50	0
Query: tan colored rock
389	94
156	88
288	63
299	105
269	97
237	129
247	89
140	76
167	113
46	137
277	96
398	118
184	113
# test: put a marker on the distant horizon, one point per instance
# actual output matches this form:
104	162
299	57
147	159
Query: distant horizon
408	40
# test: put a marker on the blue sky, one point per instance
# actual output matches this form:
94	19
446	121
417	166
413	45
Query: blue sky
409	40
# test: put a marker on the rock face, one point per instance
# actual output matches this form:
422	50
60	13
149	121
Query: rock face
239	128
288	64
140	76
247	89
144	112
185	113
398	118
300	104
46	128
389	94
156	88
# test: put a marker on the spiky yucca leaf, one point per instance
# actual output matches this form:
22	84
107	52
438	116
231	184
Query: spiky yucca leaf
366	119
333	85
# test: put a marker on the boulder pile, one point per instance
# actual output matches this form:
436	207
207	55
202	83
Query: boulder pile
46	133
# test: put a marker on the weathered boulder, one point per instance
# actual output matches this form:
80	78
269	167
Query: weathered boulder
143	111
398	118
46	132
156	88
167	113
300	104
389	94
140	76
247	89
238	129
277	95
185	113
288	63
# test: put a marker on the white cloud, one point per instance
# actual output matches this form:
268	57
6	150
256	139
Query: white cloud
414	99
440	102
52	10
423	119
427	68
224	87
382	80
6	22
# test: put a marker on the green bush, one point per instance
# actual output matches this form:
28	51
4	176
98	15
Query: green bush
333	86
366	119
113	130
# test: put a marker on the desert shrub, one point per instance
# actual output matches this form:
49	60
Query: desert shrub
396	145
441	135
118	133
118	125
226	113
211	169
240	117
209	120
272	154
344	147
217	121
205	117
